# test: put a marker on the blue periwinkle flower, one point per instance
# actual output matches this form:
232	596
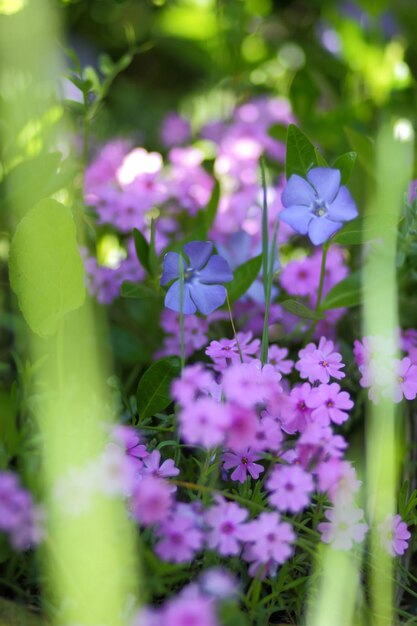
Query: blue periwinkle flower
318	206
204	273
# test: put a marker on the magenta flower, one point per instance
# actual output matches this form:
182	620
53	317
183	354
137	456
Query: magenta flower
394	535
276	358
329	404
131	440
204	273
248	384
344	527
175	130
195	610
225	521
225	351
406	380
193	381
339	479
151	500
270	539
268	434
204	422
290	488
317	206
219	583
320	363
242	427
299	414
154	467
244	464
20	518
179	538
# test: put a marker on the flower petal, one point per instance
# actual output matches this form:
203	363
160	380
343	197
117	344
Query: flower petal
199	253
343	207
173	302
320	229
298	191
298	217
171	267
207	298
326	182
216	271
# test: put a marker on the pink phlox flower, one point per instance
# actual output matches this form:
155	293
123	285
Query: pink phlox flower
225	522
249	384
151	500
242	427
270	539
408	339
406	380
244	464
197	610
226	351
116	471
131	440
317	443
204	422
343	528
299	277
268	435
219	583
179	538
276	358
338	478
290	488
299	414
394	535
320	363
154	467
329	404
194	381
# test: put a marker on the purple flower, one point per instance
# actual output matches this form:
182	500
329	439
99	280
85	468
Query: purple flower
270	539
203	274
394	535
244	464
195	610
276	358
320	363
154	467
151	500
344	527
175	130
290	488
329	404
179	538
317	206
20	518
219	583
226	521
204	422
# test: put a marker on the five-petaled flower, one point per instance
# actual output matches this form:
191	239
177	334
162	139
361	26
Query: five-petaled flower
318	206
204	273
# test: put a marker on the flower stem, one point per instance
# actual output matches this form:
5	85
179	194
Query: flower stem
182	340
270	273
326	248
234	328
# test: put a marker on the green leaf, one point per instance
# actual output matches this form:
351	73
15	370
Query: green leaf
243	277
153	260
30	181
301	154
91	76
212	206
278	132
347	293
142	249
345	163
136	290
153	393
105	64
299	309
46	269
365	149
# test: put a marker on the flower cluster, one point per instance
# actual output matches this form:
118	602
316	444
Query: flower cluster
20	518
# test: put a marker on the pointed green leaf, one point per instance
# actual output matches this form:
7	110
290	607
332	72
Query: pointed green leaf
142	249
153	393
243	277
345	163
46	269
364	147
347	293
136	290
301	154
321	161
212	206
299	309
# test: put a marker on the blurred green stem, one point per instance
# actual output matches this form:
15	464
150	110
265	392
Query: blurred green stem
326	248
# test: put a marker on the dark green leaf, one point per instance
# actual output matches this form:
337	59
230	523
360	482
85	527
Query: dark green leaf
153	260
243	277
345	163
299	309
136	290
347	293
142	249
153	393
278	132
212	206
301	154
365	149
321	161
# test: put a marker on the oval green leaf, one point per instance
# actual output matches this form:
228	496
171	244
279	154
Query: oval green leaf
347	293
153	393
243	277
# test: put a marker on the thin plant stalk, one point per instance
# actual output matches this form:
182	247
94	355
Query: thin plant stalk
234	328
270	274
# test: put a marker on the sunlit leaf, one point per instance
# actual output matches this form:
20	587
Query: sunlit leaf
301	154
